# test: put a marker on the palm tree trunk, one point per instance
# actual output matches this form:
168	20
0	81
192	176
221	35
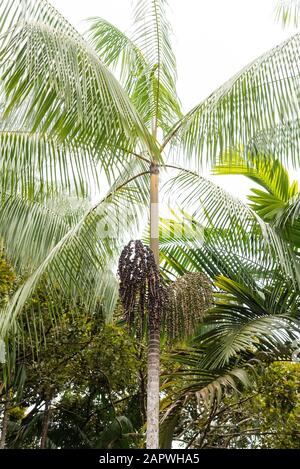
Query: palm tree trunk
154	211
5	421
154	334
142	386
45	427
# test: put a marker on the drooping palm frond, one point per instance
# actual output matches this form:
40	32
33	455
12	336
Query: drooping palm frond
37	163
208	384
76	252
79	264
194	391
281	139
260	97
31	225
194	383
212	207
53	82
245	320
214	254
29	229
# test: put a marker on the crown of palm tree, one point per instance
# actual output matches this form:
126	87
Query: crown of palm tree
80	114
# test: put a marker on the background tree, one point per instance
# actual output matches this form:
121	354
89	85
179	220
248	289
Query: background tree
266	416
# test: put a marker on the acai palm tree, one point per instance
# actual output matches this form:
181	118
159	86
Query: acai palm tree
80	114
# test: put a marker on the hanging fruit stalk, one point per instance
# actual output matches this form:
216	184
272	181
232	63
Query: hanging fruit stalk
189	298
150	307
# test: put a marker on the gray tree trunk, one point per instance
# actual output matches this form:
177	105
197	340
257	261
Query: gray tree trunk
154	334
153	390
46	421
5	421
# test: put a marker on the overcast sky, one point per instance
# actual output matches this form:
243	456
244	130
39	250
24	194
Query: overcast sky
213	39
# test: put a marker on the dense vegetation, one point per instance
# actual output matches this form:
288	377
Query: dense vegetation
86	389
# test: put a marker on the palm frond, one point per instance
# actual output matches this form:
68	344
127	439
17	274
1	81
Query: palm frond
247	321
37	163
29	230
212	207
53	81
207	386
214	255
260	97
152	34
265	171
81	262
281	139
278	200
288	222
287	12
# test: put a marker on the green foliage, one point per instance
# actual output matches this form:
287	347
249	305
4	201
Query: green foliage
255	315
266	171
277	406
276	201
67	119
88	373
267	415
7	279
287	12
144	61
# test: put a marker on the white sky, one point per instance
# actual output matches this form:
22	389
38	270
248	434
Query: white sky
213	39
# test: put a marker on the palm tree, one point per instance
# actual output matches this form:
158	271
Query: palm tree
66	120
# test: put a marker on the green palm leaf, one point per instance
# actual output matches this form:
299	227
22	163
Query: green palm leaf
81	258
260	97
193	382
212	207
152	34
278	202
287	12
247	321
34	163
144	61
54	82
